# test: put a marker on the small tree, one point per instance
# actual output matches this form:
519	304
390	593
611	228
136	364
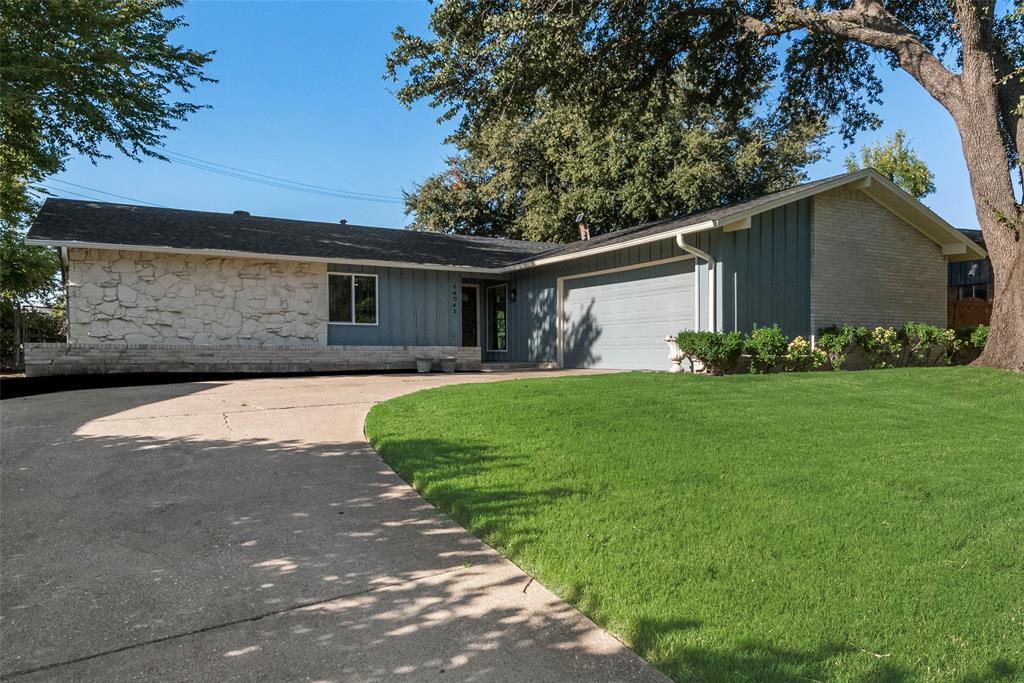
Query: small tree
895	159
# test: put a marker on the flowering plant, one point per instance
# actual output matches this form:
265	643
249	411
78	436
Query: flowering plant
801	356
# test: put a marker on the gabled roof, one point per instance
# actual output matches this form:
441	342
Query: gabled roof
70	223
956	246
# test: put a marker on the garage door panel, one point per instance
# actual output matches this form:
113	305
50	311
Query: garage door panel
619	320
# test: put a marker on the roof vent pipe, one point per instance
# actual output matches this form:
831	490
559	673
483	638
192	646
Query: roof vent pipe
343	221
240	213
581	221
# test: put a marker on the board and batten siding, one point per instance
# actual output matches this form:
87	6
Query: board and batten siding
872	268
762	274
533	331
415	307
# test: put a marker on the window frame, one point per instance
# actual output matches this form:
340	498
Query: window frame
376	299
490	313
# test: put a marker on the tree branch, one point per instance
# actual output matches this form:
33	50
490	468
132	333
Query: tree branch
867	22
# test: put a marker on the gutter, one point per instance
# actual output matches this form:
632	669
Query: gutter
707	258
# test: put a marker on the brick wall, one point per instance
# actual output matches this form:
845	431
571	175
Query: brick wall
869	267
156	298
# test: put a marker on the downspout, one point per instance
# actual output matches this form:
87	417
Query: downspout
707	258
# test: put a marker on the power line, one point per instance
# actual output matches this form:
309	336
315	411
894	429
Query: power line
61	191
273	181
111	194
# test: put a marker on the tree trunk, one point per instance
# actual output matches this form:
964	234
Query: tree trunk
998	214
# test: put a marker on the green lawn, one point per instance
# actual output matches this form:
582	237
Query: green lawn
856	526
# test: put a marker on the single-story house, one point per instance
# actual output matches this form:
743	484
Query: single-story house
152	289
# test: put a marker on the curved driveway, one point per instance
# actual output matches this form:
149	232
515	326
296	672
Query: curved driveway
245	530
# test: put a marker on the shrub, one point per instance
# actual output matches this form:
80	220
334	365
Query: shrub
800	357
928	344
767	348
883	346
718	351
979	337
838	342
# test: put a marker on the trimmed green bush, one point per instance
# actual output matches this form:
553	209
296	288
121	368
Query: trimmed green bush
838	342
718	351
979	337
766	347
928	344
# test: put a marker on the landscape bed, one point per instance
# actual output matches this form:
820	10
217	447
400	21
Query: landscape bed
825	526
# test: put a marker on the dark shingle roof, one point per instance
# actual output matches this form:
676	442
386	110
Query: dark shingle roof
69	221
670	224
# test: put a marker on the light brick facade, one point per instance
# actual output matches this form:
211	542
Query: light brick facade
869	267
157	298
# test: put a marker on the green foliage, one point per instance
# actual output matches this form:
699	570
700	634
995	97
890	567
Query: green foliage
718	351
979	337
81	73
883	346
37	324
27	273
895	159
838	342
529	163
928	344
800	357
767	348
702	520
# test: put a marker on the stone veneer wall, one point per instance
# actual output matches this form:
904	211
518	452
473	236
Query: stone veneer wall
869	267
155	298
82	359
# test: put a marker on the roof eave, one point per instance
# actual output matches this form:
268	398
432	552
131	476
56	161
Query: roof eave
227	253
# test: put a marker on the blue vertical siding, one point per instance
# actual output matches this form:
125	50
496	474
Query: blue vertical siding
533	331
414	308
763	275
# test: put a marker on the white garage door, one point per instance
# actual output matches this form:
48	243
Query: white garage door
619	320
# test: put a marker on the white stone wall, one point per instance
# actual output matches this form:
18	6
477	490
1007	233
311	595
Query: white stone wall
869	267
156	298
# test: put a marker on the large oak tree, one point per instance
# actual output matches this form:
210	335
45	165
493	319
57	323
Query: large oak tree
490	59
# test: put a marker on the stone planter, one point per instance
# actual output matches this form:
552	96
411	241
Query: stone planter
448	363
424	364
675	354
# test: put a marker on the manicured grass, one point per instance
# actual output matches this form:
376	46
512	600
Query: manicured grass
864	526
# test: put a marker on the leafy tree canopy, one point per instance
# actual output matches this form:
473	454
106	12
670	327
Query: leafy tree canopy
531	160
80	73
896	160
26	272
529	178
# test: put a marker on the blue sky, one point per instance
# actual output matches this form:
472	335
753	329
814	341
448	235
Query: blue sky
300	96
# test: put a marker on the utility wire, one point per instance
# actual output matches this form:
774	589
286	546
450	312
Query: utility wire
60	190
111	194
274	181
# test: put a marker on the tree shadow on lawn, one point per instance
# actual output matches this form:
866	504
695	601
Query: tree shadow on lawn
430	465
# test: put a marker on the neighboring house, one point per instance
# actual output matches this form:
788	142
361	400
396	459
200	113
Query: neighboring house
163	289
971	287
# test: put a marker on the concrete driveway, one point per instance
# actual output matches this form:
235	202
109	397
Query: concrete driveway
245	530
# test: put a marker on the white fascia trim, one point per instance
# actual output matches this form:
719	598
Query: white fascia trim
971	250
227	253
698	227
